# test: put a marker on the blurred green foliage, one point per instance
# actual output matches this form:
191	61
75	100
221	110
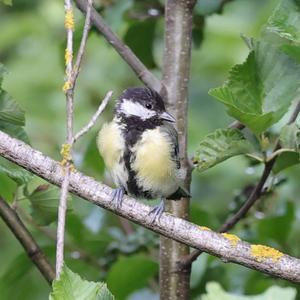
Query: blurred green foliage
99	245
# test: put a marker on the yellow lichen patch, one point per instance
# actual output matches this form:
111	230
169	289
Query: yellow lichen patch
66	86
261	252
204	228
232	238
66	154
69	19
68	56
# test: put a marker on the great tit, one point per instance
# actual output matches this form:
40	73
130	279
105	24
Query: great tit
140	149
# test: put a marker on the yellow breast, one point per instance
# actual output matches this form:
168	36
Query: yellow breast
153	163
110	144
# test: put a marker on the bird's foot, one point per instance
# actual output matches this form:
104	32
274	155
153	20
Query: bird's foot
117	197
157	211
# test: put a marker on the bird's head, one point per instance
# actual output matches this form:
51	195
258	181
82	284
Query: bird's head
143	104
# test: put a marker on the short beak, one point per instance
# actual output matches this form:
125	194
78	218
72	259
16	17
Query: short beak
167	117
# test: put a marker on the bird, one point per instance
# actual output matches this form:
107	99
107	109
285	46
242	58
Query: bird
140	149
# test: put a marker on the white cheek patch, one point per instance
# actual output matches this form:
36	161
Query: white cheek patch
130	108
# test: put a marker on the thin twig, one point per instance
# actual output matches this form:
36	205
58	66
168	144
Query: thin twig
93	120
69	88
61	222
254	196
86	29
124	51
33	251
276	264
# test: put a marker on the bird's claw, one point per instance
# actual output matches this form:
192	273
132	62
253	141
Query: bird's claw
157	211
117	197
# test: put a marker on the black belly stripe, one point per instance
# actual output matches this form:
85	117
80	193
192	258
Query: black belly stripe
132	132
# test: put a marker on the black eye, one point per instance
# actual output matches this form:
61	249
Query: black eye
148	106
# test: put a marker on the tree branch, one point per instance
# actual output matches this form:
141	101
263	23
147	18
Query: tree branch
33	251
124	51
267	261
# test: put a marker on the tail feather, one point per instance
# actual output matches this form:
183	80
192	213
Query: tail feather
180	193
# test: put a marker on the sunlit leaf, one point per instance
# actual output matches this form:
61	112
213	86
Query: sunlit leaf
259	91
6	2
219	146
215	291
71	286
104	293
129	274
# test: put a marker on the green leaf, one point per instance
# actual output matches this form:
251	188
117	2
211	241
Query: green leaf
290	137
143	50
92	162
215	291
114	14
286	160
285	21
7	188
10	111
259	91
16	173
14	131
283	221
21	265
6	2
290	141
71	286
104	293
129	274
44	202
219	146
199	267
207	7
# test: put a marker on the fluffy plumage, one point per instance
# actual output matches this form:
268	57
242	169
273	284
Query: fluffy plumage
140	147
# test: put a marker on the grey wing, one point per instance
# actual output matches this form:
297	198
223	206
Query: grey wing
173	135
